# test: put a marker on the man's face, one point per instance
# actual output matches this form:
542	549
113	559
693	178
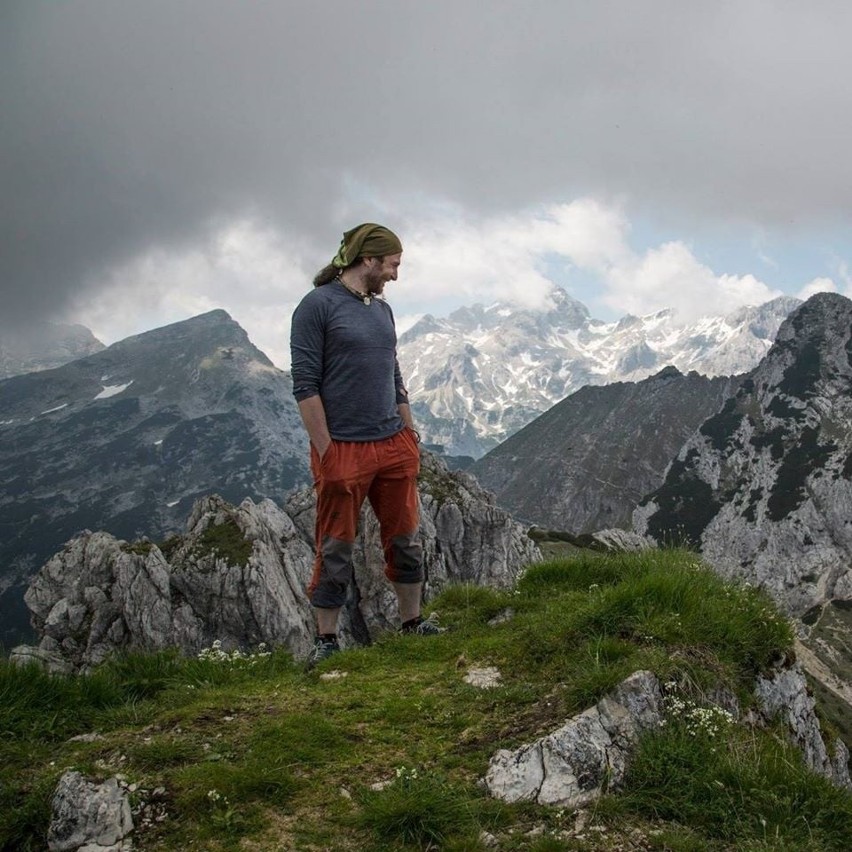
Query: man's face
380	270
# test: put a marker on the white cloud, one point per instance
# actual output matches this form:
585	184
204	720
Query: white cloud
451	257
505	258
818	285
841	268
245	268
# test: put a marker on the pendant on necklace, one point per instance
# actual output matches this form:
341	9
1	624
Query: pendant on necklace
367	300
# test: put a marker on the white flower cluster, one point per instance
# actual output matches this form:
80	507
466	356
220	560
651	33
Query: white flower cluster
706	721
217	798
404	774
215	654
742	598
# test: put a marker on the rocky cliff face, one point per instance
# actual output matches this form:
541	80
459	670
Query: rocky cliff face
764	487
126	440
238	576
44	346
586	463
481	374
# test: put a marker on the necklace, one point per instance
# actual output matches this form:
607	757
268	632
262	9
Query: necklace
366	298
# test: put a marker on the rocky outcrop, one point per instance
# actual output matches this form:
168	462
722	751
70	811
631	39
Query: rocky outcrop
47	656
764	487
622	541
572	765
784	696
587	462
238	576
89	817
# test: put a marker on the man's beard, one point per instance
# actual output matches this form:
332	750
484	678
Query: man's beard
375	282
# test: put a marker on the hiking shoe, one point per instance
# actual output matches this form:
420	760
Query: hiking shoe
322	650
425	626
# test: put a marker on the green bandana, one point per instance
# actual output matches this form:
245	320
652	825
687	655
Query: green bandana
367	240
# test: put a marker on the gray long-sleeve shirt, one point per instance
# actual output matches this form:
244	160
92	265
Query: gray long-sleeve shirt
345	352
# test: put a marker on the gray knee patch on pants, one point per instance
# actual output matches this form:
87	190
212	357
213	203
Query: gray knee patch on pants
407	558
336	574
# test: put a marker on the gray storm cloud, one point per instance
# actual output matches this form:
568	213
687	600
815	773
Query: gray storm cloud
129	126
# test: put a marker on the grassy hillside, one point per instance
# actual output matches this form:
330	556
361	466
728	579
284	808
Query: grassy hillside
251	752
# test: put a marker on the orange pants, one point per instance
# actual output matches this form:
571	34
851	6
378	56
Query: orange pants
385	472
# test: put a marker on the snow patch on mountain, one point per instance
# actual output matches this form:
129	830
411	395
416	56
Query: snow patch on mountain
113	390
482	373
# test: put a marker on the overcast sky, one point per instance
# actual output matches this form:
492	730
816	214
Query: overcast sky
160	159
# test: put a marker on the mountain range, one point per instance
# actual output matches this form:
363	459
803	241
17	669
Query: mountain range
585	464
754	470
481	374
126	439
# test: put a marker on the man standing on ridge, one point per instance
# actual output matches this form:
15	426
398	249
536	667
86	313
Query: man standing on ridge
354	405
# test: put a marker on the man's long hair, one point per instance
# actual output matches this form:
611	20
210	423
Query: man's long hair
328	273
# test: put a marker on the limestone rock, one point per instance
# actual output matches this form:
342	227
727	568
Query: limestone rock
100	595
484	677
89	817
623	541
785	696
570	766
468	537
48	658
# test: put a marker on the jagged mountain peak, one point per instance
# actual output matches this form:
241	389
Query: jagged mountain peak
559	308
764	487
427	324
824	318
480	374
669	372
811	354
209	327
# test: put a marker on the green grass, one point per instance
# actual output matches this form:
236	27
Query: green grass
227	541
418	810
743	788
257	754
